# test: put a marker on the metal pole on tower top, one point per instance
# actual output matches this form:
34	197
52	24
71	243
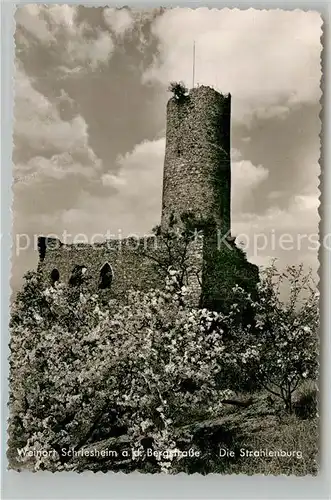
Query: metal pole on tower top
193	71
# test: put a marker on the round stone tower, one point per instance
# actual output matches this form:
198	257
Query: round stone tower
197	169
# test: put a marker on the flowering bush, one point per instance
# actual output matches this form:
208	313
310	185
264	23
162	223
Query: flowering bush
180	248
85	376
81	374
281	347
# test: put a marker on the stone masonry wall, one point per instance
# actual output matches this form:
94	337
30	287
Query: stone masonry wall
132	262
197	170
131	268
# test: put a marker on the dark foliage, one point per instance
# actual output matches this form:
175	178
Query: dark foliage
178	89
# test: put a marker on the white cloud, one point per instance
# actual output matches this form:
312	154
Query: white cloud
64	15
267	59
119	20
112	180
91	53
265	113
58	24
123	22
58	167
306	202
143	166
133	207
290	235
245	178
38	120
38	123
29	18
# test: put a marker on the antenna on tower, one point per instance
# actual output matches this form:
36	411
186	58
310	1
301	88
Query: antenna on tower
193	70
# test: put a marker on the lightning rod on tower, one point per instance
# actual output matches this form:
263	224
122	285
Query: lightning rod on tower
193	70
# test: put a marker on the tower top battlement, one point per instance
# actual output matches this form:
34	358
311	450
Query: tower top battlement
200	89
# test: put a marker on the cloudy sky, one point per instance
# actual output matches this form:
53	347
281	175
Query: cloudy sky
89	135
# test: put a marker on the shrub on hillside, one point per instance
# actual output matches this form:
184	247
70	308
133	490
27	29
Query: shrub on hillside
81	375
281	347
85	376
305	403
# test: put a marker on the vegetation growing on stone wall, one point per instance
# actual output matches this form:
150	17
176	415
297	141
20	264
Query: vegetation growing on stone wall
195	247
178	89
179	247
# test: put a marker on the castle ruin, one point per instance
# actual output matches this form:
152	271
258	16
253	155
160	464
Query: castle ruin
197	183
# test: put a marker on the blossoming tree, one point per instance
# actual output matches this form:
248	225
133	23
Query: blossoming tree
281	347
81	375
85	376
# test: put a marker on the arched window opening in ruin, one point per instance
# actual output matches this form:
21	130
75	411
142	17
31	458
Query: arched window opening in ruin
55	276
77	275
106	276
